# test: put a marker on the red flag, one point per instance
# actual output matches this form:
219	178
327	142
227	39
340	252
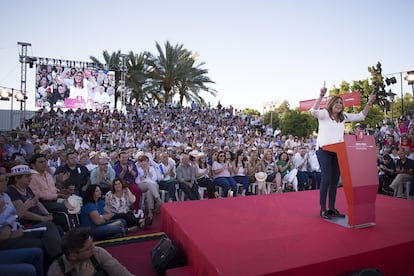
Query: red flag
350	99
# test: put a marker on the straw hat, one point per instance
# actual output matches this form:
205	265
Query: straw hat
260	176
196	153
92	154
103	155
21	170
73	204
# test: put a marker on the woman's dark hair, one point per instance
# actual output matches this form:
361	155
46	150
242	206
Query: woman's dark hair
218	154
231	154
202	163
387	157
143	158
287	155
124	183
88	197
238	153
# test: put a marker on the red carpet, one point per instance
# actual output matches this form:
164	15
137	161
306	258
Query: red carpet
283	234
136	255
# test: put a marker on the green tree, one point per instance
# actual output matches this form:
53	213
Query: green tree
273	118
283	107
250	111
297	123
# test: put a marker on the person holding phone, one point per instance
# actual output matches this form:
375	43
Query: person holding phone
331	128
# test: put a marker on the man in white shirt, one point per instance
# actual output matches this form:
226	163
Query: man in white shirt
301	163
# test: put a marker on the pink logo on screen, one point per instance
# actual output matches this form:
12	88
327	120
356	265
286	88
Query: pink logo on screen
77	102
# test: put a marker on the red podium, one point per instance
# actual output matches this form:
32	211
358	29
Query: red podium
358	165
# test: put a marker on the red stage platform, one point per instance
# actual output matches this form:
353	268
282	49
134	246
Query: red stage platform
282	234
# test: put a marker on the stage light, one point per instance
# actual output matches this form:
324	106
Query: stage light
410	77
391	80
20	97
387	81
5	95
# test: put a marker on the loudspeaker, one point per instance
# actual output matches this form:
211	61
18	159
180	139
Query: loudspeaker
166	254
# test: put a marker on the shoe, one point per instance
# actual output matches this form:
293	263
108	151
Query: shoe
139	214
335	213
324	214
132	229
144	223
148	220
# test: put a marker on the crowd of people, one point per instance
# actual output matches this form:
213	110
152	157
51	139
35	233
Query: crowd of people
110	172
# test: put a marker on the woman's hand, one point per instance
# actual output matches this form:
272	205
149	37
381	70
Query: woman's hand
323	91
46	218
16	234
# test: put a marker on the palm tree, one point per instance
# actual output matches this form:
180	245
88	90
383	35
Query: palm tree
138	81
165	69
192	80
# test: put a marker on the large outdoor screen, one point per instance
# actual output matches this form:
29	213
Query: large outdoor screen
68	87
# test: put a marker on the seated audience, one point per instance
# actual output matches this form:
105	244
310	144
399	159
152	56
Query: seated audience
127	171
147	183
186	178
288	172
404	173
119	199
222	175
11	231
386	174
22	196
255	166
43	186
96	215
103	175
203	175
74	173
271	168
167	181
240	170
301	163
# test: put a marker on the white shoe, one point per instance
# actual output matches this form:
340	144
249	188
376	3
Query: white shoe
139	214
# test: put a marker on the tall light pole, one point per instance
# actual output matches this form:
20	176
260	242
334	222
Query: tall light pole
392	97
270	107
24	60
123	80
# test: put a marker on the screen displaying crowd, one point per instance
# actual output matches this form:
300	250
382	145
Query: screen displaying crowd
66	87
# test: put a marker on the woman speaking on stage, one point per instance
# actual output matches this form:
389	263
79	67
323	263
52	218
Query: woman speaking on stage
331	129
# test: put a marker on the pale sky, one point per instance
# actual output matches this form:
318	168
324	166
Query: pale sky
255	51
